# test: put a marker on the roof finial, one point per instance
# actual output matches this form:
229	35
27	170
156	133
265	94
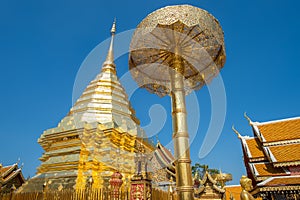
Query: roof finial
109	64
236	132
248	118
157	139
113	28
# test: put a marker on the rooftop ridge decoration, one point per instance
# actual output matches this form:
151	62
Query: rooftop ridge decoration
248	118
277	121
236	132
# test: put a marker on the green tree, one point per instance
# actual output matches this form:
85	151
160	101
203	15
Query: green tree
201	169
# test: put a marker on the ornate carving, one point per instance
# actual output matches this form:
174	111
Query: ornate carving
137	192
189	33
115	184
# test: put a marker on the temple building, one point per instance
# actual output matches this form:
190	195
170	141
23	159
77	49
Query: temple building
98	136
162	167
11	178
272	158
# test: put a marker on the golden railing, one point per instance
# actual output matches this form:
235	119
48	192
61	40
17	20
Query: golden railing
162	195
70	194
66	194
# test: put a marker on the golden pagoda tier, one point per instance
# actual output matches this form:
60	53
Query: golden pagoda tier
98	137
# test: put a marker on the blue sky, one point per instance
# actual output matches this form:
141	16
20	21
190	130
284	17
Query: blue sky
43	44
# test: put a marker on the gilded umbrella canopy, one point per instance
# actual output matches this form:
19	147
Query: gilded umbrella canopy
182	31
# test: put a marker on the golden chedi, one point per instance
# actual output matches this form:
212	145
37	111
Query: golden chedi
95	139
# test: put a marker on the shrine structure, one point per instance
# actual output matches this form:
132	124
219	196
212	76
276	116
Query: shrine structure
11	178
209	189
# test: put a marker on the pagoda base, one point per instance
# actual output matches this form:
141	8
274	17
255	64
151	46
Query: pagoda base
51	181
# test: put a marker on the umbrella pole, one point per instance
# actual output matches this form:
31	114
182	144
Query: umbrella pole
180	132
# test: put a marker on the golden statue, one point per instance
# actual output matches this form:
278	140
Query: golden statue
246	184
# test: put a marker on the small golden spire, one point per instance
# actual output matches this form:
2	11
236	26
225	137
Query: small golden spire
236	132
109	64
248	118
113	28
157	139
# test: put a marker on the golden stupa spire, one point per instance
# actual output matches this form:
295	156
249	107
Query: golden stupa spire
109	64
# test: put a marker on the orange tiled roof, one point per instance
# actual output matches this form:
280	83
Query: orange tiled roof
4	169
12	175
286	153
255	148
280	130
234	190
278	181
9	172
267	169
